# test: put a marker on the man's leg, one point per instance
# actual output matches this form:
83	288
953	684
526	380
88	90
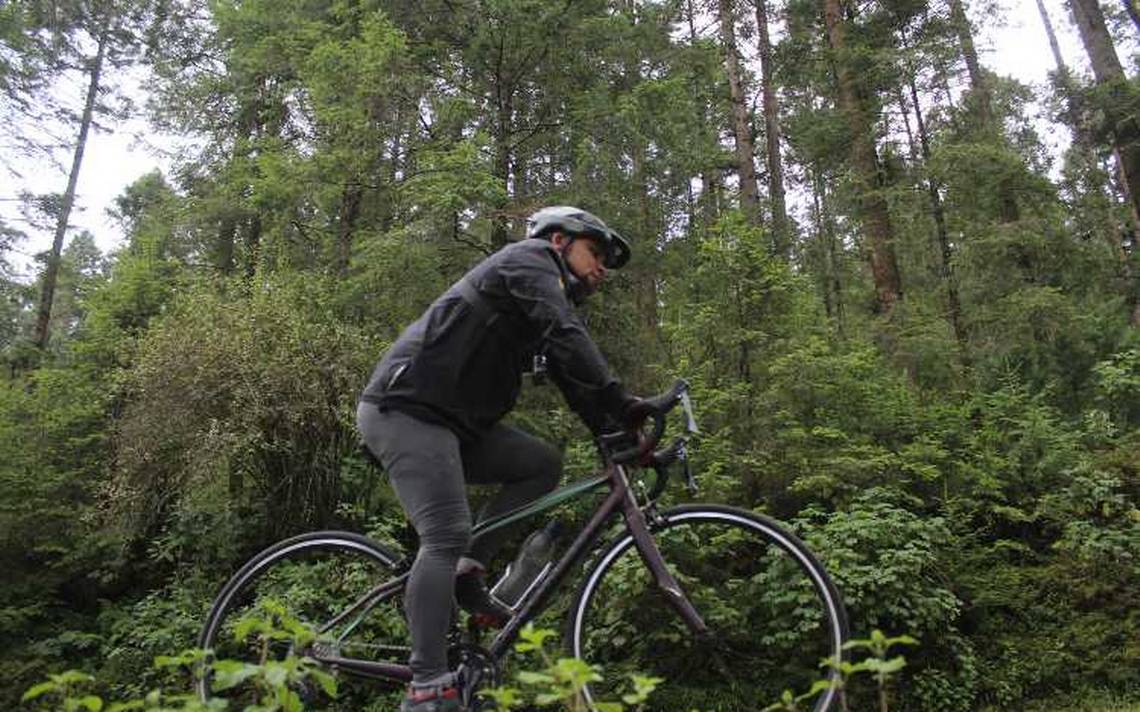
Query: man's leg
424	465
526	466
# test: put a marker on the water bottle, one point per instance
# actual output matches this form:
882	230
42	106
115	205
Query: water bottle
531	565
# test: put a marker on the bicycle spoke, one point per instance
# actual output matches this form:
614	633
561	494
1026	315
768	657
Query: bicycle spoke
283	608
769	626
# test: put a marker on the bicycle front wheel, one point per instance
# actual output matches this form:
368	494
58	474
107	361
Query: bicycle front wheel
315	596
773	616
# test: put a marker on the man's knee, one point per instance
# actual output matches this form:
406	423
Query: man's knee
448	534
547	467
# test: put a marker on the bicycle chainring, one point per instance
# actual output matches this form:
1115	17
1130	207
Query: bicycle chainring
478	670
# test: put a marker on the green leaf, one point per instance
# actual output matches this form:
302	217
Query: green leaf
92	702
231	673
884	667
532	638
325	680
528	677
39	689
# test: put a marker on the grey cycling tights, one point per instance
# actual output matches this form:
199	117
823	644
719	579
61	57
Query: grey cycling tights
428	466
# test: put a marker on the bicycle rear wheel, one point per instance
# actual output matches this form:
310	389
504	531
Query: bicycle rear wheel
283	605
773	615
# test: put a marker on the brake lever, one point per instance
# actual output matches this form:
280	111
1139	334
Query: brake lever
687	407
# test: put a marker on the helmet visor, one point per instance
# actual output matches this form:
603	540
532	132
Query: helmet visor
617	251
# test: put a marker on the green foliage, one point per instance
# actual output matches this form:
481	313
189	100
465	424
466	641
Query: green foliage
562	681
271	380
345	161
875	664
275	682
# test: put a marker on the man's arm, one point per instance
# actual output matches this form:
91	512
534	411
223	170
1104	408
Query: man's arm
577	366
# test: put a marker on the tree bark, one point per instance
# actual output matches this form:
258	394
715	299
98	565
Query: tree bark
224	251
1133	12
946	266
1054	46
346	225
51	271
1125	131
503	88
502	167
978	83
912	147
982	102
252	245
781	227
1110	75
825	233
1082	138
873	210
741	127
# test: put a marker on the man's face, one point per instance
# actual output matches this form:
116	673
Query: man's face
585	257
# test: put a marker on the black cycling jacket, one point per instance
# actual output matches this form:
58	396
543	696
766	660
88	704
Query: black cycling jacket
461	363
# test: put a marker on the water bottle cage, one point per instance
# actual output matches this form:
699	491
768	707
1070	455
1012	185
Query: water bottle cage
515	605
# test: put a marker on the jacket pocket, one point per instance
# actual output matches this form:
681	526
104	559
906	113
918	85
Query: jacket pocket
394	372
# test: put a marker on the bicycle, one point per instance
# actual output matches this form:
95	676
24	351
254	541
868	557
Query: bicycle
748	611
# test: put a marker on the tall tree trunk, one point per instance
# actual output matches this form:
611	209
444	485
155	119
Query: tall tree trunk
1054	46
502	167
978	83
1125	129
1081	135
1108	72
51	270
252	244
829	249
350	201
873	210
982	102
224	248
1133	12
781	227
707	204
946	265
904	107
741	126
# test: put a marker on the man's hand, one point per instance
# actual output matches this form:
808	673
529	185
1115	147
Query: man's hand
634	413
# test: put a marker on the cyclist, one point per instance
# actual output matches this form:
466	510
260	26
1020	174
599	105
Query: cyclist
431	413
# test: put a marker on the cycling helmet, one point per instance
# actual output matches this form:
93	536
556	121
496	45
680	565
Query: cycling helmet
577	222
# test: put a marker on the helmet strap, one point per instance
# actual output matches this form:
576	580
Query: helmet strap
577	289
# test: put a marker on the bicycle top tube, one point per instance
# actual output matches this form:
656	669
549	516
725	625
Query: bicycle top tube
542	504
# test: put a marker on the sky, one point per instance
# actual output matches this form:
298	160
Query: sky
1011	41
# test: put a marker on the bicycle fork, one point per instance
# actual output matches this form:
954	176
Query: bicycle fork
651	555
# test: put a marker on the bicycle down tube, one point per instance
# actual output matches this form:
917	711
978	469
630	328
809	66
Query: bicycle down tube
619	500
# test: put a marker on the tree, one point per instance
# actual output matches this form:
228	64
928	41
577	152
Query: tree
102	34
741	122
873	209
1120	102
781	226
982	100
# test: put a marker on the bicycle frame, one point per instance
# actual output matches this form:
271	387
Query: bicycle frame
621	499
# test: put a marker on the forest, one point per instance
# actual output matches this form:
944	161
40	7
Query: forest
912	328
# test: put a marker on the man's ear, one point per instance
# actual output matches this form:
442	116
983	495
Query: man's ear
558	240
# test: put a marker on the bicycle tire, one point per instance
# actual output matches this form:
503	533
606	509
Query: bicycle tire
772	610
309	577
